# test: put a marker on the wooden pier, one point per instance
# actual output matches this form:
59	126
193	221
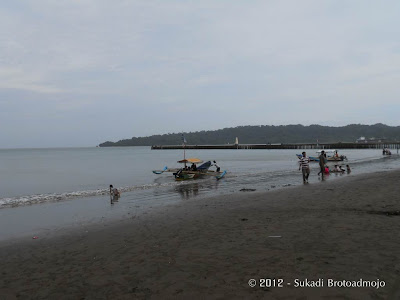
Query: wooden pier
388	145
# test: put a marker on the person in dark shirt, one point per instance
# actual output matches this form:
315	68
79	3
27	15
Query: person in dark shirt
322	162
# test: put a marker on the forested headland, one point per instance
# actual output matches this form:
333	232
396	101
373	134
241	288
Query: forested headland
268	134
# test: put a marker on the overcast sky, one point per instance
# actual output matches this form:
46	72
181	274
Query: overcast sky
80	72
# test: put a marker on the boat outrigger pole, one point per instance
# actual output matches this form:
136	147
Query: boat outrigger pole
184	153
184	149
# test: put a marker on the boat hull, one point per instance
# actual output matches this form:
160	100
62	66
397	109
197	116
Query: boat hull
330	158
340	158
185	176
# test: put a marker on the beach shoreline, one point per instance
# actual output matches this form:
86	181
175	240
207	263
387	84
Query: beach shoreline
345	229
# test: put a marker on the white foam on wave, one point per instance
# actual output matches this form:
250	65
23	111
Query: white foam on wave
42	198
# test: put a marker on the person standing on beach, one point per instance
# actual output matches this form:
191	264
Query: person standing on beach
305	167
322	162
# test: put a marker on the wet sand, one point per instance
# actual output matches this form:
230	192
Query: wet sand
345	229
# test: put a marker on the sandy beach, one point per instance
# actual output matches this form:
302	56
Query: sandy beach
344	230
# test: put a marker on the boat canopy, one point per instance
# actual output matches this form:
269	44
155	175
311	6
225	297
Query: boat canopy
190	161
327	151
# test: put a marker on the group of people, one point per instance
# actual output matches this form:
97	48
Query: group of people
386	152
304	165
340	169
193	167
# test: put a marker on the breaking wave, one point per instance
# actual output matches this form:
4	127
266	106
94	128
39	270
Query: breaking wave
54	197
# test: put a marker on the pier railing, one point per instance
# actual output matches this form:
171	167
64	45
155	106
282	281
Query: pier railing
388	145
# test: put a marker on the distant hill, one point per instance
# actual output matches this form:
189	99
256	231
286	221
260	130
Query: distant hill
268	134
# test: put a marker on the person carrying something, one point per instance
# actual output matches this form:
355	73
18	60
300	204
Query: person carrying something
322	162
305	167
216	165
114	191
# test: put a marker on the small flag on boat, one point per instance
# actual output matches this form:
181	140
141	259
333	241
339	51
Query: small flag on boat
183	139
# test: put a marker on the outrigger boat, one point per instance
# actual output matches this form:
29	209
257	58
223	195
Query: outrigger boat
187	173
331	155
192	172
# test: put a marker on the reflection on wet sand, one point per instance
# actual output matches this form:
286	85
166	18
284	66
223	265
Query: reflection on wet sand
188	190
192	190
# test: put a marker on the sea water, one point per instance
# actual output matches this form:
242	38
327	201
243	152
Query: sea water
44	175
73	183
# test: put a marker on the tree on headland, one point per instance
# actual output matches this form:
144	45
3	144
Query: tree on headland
266	134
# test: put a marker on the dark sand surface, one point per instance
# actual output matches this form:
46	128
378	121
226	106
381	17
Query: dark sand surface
210	248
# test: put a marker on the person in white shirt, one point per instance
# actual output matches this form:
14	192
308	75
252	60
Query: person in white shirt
216	165
114	193
305	167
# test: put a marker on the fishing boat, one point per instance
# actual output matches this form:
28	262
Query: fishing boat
331	155
193	168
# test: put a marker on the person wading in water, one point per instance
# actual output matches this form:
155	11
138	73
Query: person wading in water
322	162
